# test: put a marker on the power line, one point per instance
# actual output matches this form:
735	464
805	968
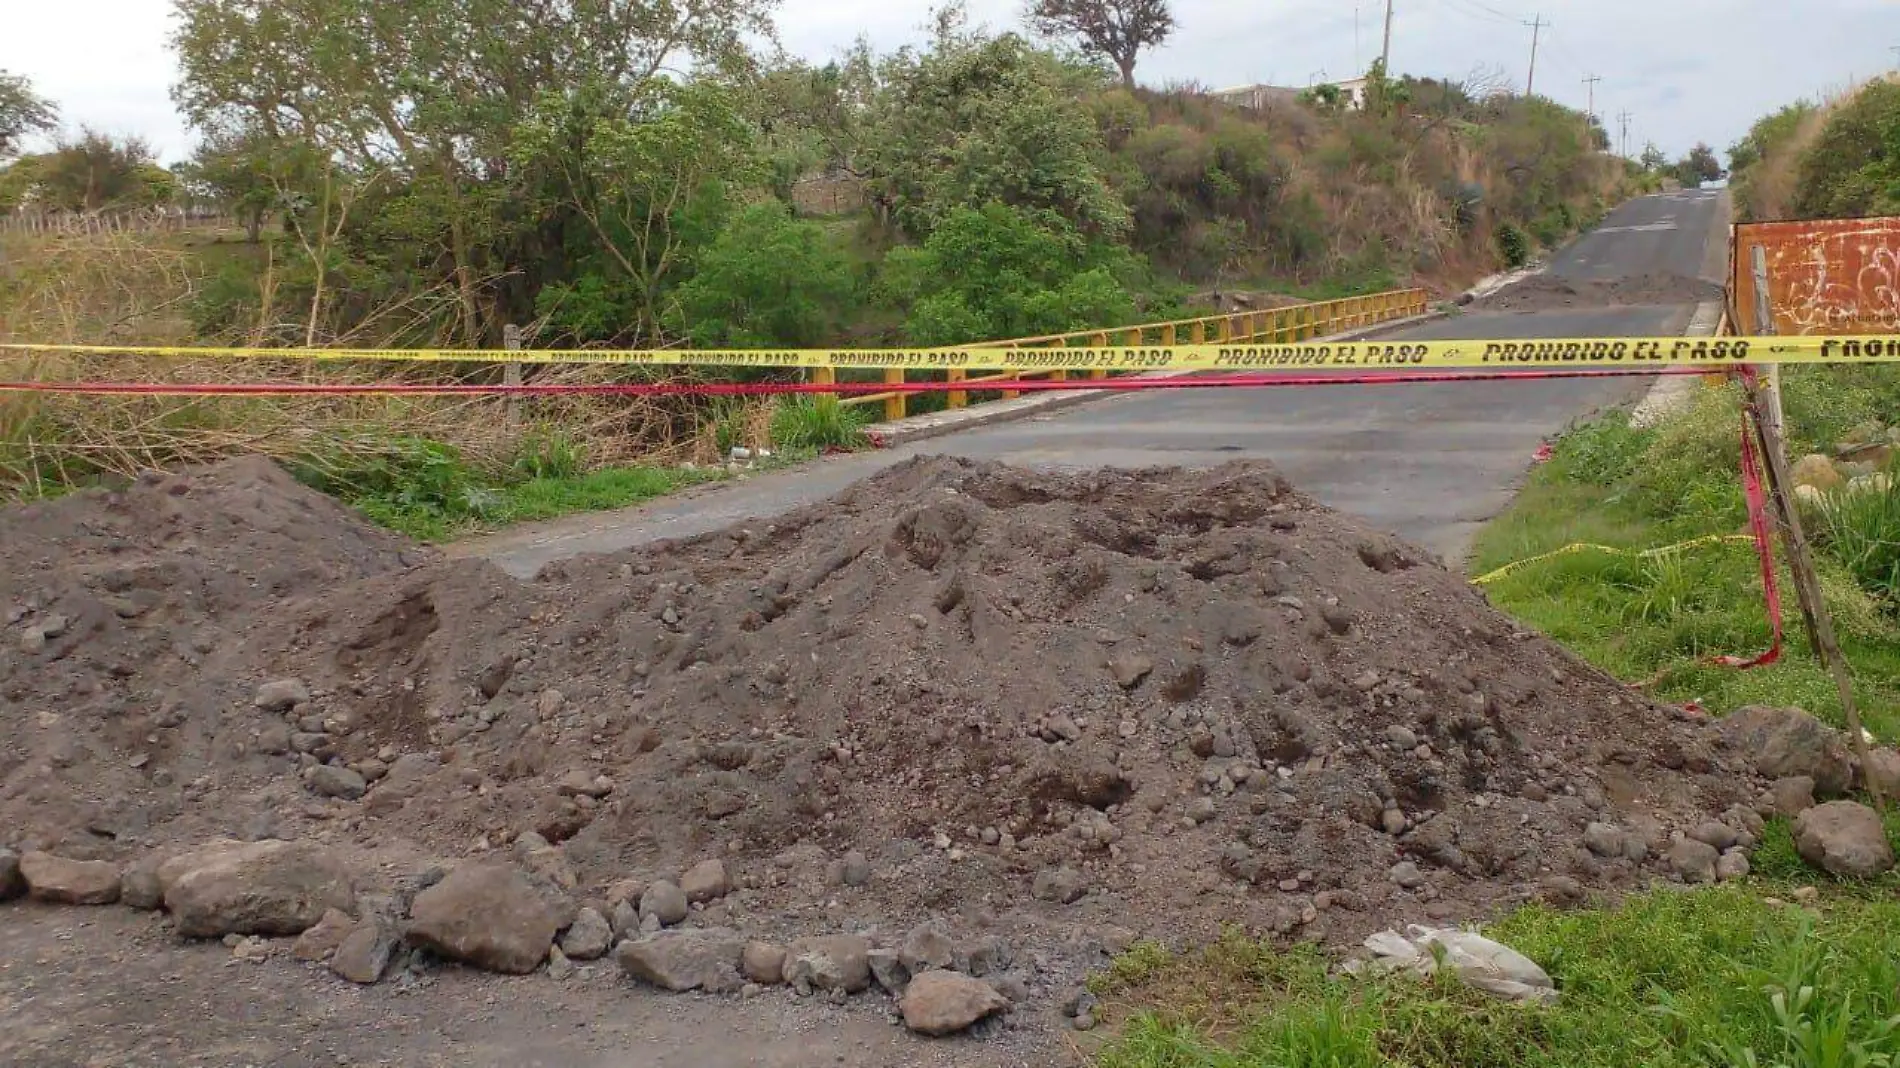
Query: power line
1530	80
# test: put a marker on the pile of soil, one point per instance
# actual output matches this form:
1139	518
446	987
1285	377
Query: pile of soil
1070	708
1544	292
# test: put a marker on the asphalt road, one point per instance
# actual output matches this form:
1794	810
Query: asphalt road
1432	462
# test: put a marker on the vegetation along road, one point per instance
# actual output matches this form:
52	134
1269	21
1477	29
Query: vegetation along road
1431	462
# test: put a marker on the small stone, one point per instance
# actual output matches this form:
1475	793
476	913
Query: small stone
1562	890
665	902
138	888
763	963
1083	1022
1604	839
1401	737
281	695
1407	875
12	883
1733	865
1064	886
364	954
330	780
1694	861
60	881
857	869
1201	810
626	919
319	941
830	962
943	1003
1806	895
705	881
1793	795
548	703
926	947
588	937
559	967
990	837
1392	821
1717	835
888	971
1128	669
1061	728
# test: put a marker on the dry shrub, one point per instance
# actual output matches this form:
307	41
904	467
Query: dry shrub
133	289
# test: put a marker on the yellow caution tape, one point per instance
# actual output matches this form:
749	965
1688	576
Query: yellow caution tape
1629	353
1587	546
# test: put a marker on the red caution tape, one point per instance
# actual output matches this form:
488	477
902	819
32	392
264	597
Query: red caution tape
1759	526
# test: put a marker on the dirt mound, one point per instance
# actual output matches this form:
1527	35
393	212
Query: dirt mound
1544	292
1186	699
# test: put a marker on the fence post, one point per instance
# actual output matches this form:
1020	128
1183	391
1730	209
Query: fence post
894	405
957	398
825	376
511	374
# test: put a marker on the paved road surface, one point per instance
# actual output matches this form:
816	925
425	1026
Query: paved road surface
1432	462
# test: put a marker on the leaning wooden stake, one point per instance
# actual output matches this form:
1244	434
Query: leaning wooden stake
1820	624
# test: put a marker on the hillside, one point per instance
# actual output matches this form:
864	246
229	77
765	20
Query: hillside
1836	159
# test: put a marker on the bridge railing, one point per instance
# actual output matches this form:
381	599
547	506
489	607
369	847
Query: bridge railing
1283	325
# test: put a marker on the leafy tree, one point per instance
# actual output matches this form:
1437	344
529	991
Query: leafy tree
252	175
1652	158
1768	136
768	280
428	93
1699	166
1853	167
22	112
977	120
1115	29
1000	272
96	172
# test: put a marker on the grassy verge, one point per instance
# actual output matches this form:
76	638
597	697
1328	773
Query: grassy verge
1658	621
1711	977
481	504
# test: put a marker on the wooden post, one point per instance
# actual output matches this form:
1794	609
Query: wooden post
511	374
1764	326
1806	581
957	398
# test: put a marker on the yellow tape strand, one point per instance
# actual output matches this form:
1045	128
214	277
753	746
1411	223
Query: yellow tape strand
1589	546
1627	353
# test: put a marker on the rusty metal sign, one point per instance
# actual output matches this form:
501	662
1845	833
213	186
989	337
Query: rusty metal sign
1824	276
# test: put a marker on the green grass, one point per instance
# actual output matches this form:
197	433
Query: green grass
1666	978
493	505
1660	620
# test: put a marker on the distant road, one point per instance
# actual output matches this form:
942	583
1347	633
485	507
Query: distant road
1432	462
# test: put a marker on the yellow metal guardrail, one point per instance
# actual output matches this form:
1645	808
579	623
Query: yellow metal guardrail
1284	325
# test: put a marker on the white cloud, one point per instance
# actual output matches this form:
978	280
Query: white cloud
1687	70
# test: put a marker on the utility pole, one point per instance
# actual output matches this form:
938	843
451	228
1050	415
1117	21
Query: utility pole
1625	120
1591	82
1530	81
1385	54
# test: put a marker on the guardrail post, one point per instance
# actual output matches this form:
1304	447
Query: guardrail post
894	405
825	376
511	374
957	398
1167	335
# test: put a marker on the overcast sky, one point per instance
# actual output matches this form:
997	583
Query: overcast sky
1686	70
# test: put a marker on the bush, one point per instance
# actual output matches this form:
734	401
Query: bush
1853	168
767	280
1001	273
1514	245
1861	529
817	421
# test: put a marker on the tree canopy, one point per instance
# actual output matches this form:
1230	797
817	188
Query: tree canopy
1117	30
22	113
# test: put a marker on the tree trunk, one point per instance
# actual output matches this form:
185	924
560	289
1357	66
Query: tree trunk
254	225
1128	71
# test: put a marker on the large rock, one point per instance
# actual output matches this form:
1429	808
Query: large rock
1694	861
943	1003
763	963
1781	742
1882	771
488	915
69	882
924	948
1843	838
829	962
1791	796
263	888
333	781
12	883
138	887
705	881
683	960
